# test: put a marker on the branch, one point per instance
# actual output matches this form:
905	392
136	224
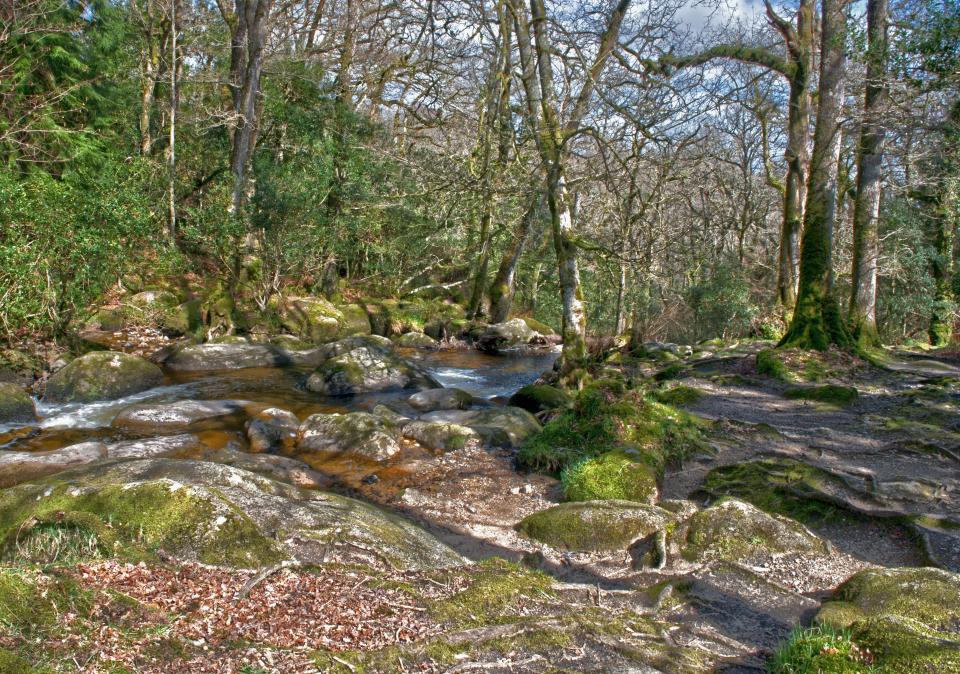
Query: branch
757	56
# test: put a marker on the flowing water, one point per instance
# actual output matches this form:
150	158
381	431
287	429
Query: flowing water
489	378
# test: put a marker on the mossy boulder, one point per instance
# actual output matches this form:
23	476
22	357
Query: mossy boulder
536	398
216	514
538	326
354	320
441	399
498	426
415	340
358	434
102	375
439	436
734	530
20	367
591	526
390	317
614	475
312	319
909	618
367	368
15	405
828	393
497	337
220	356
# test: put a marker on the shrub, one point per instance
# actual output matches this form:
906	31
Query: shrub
823	650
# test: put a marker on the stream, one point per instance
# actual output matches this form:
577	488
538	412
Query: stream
490	378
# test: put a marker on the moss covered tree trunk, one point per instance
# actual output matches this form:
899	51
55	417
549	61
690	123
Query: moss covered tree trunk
504	282
817	322
866	209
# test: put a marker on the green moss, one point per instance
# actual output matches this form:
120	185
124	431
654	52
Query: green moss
828	393
538	326
670	371
678	395
613	475
594	525
10	663
494	590
769	363
135	522
821	650
902	646
539	398
607	417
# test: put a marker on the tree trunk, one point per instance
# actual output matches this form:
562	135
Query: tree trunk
172	149
816	320
866	209
504	283
148	73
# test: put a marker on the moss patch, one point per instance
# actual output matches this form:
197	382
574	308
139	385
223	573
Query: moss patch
613	475
539	398
828	393
678	395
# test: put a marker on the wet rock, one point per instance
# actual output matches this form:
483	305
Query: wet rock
200	357
500	336
441	399
312	319
367	368
358	434
217	514
536	398
15	405
102	375
391	416
147	448
415	340
440	436
498	426
591	526
281	468
182	415
18	467
733	530
272	429
909	618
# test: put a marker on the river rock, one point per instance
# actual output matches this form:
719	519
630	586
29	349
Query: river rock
102	375
358	433
440	436
217	514
368	368
441	399
146	448
313	319
536	398
499	336
391	415
909	618
281	468
272	428
415	340
499	426
734	530
15	405
200	357
18	467
182	415
590	526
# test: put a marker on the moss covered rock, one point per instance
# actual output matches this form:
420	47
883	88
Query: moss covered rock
368	367
499	426
415	340
614	475
441	399
500	336
536	398
102	375
218	356
216	514
358	434
355	320
733	530
590	526
15	405
440	436
909	618
312	319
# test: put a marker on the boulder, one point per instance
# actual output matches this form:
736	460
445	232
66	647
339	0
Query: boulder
20	367
15	405
313	319
441	399
280	468
146	448
590	526
908	618
734	530
441	437
215	514
368	368
536	398
357	434
201	357
18	467
415	340
182	415
499	336
272	429
499	426
102	375
390	415
355	320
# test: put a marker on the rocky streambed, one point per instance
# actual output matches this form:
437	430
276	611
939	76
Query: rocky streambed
248	471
